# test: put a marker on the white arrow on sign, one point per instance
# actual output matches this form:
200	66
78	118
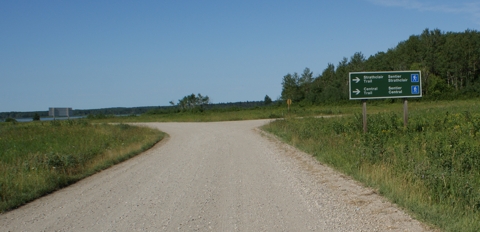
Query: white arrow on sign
356	91
356	80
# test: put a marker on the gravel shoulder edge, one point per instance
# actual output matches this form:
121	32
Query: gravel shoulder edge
349	190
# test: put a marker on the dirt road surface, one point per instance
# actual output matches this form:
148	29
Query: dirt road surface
222	176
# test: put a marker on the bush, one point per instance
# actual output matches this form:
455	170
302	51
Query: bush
12	120
36	117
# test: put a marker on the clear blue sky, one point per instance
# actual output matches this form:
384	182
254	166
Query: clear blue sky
100	54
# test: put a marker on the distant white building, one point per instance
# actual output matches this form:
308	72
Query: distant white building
60	112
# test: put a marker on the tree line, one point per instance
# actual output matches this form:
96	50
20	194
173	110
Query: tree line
188	103
197	103
449	63
78	112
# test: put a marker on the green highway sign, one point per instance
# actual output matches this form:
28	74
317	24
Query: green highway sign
377	85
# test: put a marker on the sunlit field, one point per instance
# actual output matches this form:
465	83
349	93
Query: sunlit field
431	167
37	158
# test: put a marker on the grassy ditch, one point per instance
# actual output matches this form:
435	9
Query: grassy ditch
431	168
39	157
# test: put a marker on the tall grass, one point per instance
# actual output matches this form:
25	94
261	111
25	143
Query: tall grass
229	114
278	111
432	167
39	157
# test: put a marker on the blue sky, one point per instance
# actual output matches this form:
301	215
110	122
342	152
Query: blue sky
100	54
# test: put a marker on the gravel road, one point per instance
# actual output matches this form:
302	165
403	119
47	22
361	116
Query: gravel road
221	176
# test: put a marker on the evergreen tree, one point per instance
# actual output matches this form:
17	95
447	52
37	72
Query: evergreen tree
290	87
449	63
36	117
267	100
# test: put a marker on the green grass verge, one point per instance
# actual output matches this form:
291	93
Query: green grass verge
37	158
228	114
431	168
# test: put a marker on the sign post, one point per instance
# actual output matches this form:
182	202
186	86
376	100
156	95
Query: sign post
405	112
364	113
381	85
289	102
